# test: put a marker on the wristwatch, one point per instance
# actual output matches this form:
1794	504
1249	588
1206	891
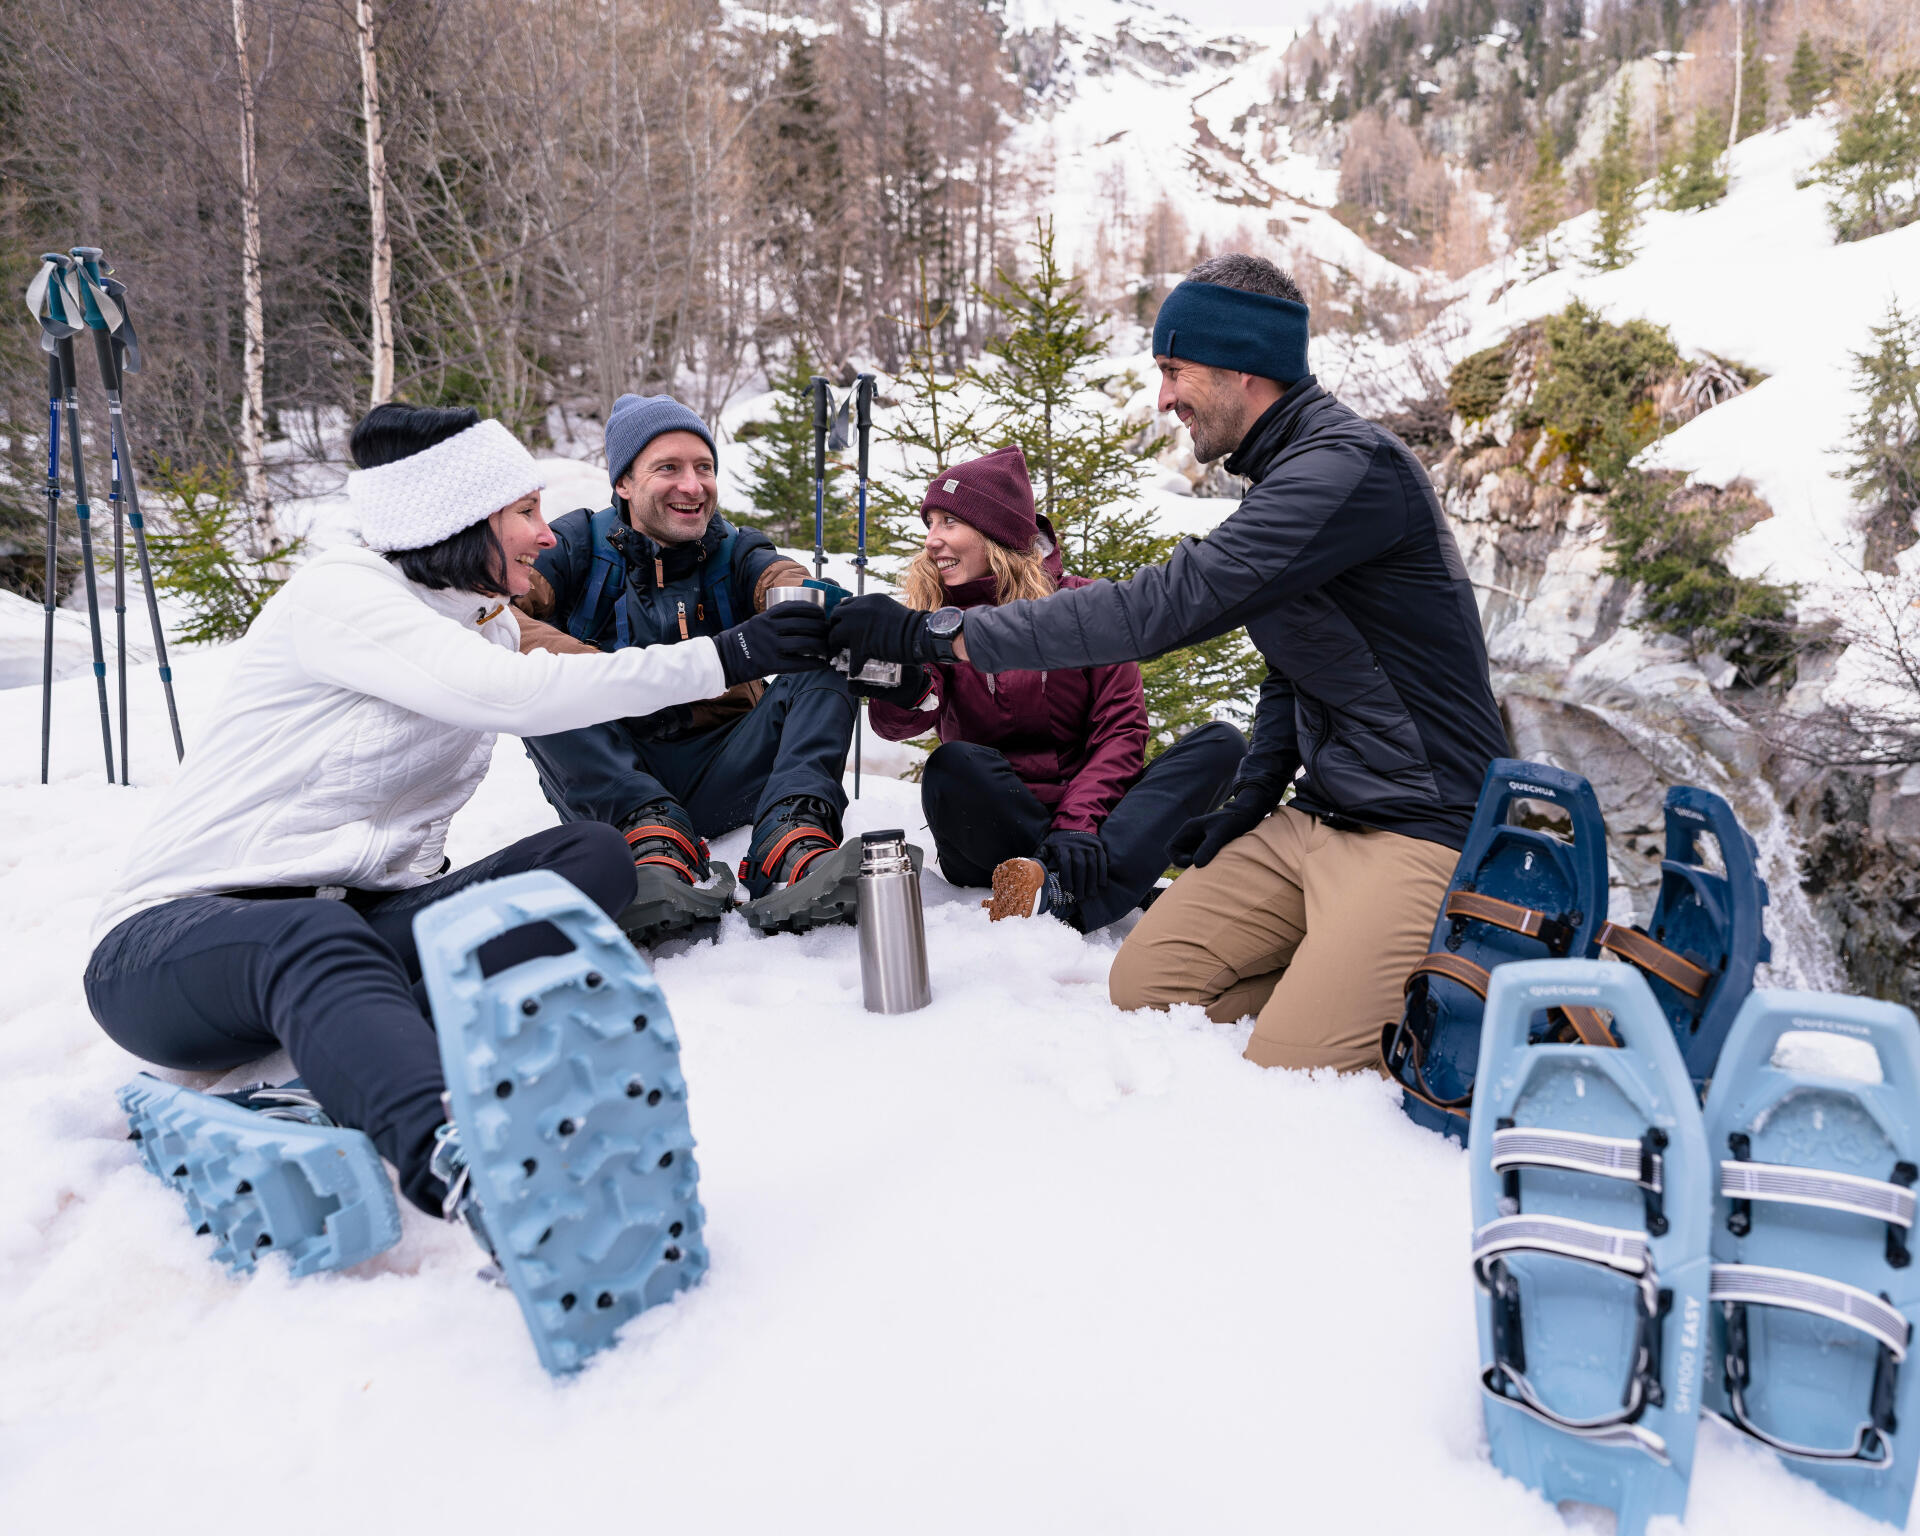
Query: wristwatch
943	624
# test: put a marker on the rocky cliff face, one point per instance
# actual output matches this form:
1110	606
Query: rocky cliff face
1583	688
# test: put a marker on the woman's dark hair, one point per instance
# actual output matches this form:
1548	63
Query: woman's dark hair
468	561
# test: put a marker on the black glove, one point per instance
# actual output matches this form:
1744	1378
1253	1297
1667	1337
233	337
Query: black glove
788	637
911	690
1195	844
876	628
1079	859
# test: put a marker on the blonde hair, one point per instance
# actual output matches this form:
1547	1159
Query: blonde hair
1016	574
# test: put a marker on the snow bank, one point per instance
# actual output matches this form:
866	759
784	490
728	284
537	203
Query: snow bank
1018	1262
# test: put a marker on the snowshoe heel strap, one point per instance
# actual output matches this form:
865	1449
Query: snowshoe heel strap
1613	1248
1675	969
1739	1286
1529	922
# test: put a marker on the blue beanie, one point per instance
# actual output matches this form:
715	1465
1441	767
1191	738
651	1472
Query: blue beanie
1231	328
637	420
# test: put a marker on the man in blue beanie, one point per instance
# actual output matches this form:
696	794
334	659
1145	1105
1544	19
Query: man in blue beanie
656	567
1377	717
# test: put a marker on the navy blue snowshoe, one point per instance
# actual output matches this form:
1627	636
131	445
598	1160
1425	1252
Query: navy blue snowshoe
1705	935
265	1171
1518	893
573	1158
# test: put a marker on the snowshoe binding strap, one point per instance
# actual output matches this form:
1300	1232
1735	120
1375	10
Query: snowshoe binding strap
1874	1199
655	842
1738	1286
1554	932
1676	970
1612	1248
819	838
1608	1157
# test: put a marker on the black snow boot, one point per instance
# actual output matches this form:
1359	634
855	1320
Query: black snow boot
798	873
679	892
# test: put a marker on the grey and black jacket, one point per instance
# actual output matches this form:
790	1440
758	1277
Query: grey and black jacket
1342	569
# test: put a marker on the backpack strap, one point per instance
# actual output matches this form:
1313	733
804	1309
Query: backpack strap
717	577
609	570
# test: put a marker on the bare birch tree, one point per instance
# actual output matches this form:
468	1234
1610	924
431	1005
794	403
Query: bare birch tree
253	418
379	242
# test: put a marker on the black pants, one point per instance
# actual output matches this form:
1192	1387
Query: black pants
213	982
980	814
793	742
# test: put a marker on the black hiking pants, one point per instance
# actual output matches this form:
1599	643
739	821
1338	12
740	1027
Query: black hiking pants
980	814
209	983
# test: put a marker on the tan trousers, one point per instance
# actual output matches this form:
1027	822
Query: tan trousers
1311	930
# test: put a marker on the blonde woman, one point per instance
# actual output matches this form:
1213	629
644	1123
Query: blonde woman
1040	786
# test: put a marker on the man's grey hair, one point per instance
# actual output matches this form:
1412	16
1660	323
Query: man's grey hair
1250	274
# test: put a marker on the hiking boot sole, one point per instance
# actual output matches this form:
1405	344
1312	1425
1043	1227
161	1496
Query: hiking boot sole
1017	884
665	907
828	893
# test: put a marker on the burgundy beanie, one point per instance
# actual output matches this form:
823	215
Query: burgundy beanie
992	494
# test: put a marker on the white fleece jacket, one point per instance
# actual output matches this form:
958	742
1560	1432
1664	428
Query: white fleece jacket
360	715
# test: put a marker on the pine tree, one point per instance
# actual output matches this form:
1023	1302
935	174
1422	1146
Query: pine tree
1048	396
1753	86
1698	181
1807	78
1875	165
200	553
1615	182
780	479
1885	466
1542	202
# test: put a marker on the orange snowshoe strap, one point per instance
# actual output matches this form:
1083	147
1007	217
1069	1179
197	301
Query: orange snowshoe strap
1676	970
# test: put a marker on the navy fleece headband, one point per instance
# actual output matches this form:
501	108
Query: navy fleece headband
1231	328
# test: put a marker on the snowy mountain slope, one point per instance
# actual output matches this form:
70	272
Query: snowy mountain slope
1017	1263
1140	106
1757	279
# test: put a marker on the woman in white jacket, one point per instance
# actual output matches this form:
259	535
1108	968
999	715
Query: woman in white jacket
271	902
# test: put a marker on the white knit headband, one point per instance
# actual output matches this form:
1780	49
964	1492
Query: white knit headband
432	495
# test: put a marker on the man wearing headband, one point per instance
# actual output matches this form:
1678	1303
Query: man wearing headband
659	566
1376	713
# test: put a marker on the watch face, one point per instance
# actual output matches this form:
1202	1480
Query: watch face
946	621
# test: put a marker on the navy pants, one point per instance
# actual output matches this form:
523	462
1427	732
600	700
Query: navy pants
212	982
980	814
793	742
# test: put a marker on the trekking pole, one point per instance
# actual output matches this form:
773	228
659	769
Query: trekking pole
53	558
822	410
86	257
118	350
58	327
863	423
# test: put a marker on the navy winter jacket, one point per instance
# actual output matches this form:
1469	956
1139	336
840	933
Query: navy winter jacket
1342	569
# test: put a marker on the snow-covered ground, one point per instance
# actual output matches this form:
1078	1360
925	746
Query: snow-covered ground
1019	1262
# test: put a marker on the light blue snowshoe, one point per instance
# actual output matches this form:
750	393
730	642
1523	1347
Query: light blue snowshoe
1704	935
265	1171
1815	1295
1590	1207
564	1078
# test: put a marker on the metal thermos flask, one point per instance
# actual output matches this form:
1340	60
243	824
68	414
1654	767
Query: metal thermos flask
893	935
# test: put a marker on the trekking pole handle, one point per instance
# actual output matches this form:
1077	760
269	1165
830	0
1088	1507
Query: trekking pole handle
822	420
863	415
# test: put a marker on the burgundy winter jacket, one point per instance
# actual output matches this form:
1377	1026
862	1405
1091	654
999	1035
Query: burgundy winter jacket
1076	738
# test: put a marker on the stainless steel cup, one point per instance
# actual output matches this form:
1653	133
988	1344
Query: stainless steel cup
893	933
812	595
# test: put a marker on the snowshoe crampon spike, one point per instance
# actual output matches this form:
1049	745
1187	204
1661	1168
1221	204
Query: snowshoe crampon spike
1813	1122
1589	1168
317	1194
564	1076
1705	935
1519	892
